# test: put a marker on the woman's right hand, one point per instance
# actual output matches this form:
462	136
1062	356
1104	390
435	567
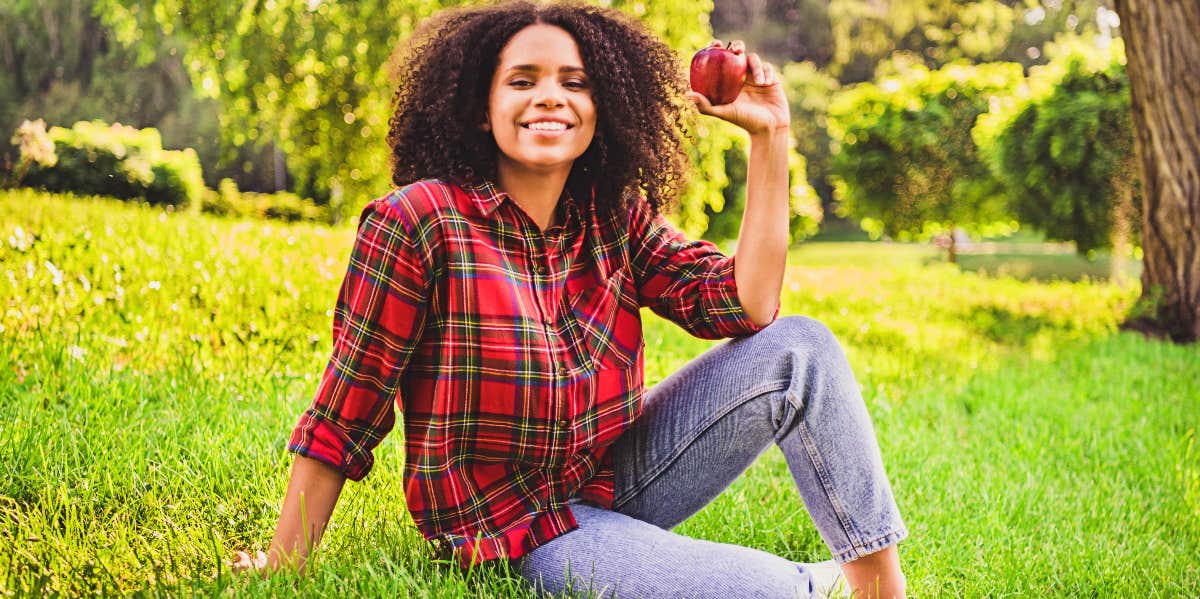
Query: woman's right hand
243	562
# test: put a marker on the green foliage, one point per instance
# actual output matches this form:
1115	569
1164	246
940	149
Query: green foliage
114	160
781	31
311	77
809	91
724	221
228	201
710	176
1064	148
904	161
59	63
938	32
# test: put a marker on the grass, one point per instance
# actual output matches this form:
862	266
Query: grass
152	366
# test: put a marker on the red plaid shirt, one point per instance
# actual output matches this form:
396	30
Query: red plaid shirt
514	355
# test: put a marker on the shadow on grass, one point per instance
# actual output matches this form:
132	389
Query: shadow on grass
1005	326
1044	266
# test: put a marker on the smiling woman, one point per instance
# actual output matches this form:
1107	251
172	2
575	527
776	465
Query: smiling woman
493	301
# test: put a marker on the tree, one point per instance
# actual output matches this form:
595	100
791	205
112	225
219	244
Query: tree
308	77
904	161
1164	57
58	63
781	31
938	32
1064	150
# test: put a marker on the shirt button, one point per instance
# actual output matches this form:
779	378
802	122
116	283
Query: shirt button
562	423
541	270
562	371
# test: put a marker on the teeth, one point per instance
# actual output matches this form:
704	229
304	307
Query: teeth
547	126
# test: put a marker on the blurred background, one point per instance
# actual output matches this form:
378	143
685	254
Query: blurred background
931	120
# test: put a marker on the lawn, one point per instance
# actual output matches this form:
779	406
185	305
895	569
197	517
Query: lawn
153	365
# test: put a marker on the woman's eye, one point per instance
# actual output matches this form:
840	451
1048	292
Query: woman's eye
575	84
520	83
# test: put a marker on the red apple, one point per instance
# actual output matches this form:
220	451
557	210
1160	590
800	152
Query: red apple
718	74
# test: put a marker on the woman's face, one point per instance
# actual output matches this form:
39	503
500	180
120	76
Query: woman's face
540	106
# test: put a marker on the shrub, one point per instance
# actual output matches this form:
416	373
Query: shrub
115	160
1063	147
227	200
904	160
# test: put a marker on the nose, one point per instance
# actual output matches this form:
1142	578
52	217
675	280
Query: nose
550	94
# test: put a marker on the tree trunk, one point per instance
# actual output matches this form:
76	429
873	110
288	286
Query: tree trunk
1122	231
1163	52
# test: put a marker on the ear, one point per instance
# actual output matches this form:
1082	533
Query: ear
485	125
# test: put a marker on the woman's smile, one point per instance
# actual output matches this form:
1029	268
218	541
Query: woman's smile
547	127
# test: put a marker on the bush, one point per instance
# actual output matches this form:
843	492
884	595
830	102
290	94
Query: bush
1063	147
227	200
115	160
904	161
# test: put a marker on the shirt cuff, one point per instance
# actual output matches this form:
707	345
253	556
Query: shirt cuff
727	315
317	438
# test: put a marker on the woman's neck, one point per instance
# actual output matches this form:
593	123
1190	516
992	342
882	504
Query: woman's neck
536	192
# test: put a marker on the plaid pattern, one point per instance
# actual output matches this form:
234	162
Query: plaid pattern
514	355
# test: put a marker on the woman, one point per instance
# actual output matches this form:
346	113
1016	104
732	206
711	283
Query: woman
494	299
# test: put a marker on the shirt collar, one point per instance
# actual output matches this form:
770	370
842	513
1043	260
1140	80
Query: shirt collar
487	197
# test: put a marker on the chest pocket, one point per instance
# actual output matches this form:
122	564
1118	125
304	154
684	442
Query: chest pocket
605	320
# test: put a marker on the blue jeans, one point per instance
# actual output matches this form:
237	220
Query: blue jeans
701	428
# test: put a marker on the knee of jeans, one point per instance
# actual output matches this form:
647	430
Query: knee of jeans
792	332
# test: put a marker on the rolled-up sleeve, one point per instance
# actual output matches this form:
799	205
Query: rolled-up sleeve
377	323
688	282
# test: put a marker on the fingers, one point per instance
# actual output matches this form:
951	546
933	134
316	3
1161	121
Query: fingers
759	73
701	103
243	562
769	77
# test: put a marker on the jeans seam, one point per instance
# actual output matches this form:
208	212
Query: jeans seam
835	502
678	450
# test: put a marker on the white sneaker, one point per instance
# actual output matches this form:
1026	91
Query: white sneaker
827	580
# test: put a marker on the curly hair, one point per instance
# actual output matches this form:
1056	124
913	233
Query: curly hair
445	73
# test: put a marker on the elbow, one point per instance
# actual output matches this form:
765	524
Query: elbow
762	313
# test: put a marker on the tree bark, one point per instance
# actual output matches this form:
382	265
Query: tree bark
1163	54
1122	231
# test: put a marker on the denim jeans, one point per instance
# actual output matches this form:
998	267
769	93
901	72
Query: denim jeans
701	428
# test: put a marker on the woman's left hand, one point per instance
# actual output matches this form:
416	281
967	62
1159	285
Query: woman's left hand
761	107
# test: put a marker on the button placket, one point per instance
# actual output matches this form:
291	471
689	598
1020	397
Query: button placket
540	259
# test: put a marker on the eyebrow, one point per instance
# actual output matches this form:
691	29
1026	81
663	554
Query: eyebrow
534	67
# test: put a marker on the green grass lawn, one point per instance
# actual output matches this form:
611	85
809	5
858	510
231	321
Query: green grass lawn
152	366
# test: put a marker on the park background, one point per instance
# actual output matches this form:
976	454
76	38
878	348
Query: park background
178	203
